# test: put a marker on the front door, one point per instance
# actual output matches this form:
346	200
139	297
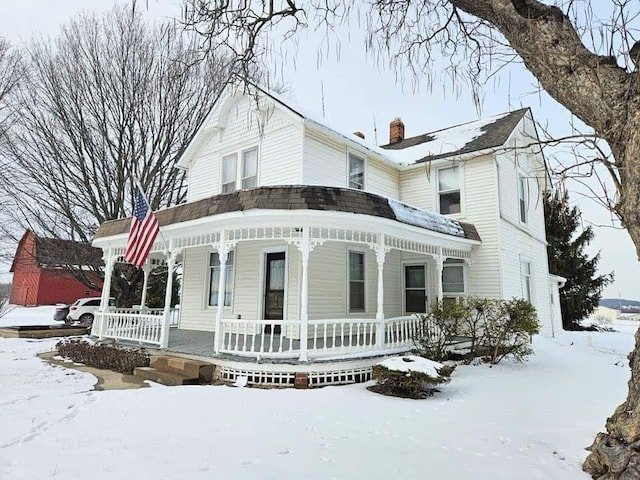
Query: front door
415	289
274	289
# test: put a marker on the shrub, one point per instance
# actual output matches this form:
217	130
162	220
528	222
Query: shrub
494	328
438	329
508	330
107	357
409	377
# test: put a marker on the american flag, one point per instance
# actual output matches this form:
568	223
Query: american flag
143	232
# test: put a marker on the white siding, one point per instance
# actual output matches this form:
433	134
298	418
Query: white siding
416	187
197	315
279	142
325	163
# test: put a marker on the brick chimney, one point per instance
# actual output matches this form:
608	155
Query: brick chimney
396	130
359	134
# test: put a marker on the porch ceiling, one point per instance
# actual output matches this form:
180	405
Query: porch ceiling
302	198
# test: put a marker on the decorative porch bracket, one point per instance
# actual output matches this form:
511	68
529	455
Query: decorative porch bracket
109	262
171	255
380	249
223	248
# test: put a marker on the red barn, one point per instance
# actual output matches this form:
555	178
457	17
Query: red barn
39	276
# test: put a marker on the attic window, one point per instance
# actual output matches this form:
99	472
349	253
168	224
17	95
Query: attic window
356	172
449	190
522	199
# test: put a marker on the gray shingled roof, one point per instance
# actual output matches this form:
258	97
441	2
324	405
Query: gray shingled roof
494	134
298	197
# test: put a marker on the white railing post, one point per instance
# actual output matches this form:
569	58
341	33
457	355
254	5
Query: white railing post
164	333
109	262
222	281
145	269
305	249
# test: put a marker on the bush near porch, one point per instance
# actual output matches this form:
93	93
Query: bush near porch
106	357
493	328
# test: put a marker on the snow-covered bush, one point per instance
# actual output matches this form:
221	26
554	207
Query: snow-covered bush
108	357
409	376
492	328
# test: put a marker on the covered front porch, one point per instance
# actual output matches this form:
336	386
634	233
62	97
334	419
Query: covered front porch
269	284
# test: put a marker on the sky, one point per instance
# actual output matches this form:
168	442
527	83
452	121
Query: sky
355	93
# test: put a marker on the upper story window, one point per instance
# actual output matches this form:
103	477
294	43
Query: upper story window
453	278
243	174
449	190
522	199
356	172
525	277
229	172
250	168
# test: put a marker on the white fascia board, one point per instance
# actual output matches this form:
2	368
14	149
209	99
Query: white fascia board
454	158
259	218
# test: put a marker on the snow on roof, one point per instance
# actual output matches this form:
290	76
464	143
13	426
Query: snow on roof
444	141
422	218
413	363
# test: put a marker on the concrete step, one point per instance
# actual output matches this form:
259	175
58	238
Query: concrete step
183	366
165	378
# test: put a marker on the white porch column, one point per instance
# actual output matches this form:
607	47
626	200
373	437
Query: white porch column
223	251
305	249
381	251
145	269
439	266
171	262
109	262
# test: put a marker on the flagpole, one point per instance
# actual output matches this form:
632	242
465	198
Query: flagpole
144	197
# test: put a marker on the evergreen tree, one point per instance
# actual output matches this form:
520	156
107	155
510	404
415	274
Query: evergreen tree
583	290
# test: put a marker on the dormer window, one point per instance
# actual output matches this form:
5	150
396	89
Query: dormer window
243	174
449	190
356	172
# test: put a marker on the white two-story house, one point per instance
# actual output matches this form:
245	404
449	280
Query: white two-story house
300	243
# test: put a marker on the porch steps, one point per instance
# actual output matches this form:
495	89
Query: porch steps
175	371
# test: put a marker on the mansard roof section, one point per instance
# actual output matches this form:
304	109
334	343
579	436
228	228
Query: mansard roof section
303	197
458	140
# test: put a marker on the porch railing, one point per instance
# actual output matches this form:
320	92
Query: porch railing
262	339
173	313
136	327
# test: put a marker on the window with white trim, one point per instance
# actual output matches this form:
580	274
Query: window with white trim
356	282
229	172
526	279
449	190
250	168
453	284
240	174
522	199
214	279
356	172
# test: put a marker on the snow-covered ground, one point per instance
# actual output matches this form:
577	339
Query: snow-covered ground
525	421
